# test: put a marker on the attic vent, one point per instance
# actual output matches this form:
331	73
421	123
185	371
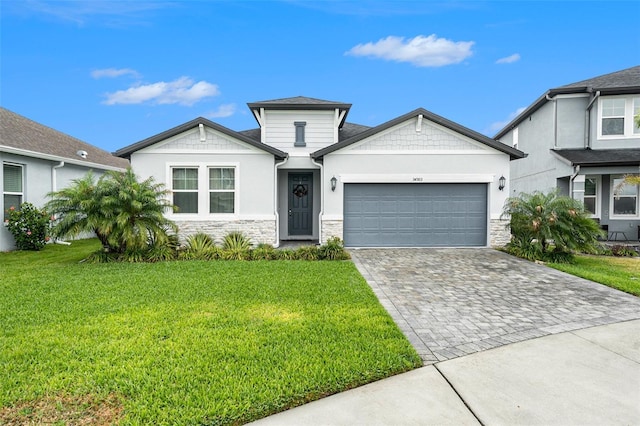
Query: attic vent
82	153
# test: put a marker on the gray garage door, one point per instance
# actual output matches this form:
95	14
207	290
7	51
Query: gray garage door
415	215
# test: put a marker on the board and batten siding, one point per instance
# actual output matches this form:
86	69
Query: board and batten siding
280	131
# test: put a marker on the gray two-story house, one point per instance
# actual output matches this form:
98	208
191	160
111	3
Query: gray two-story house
582	139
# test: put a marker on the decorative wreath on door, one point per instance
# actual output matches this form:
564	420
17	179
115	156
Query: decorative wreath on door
300	190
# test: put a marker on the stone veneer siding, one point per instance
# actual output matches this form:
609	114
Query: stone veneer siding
331	228
500	233
258	231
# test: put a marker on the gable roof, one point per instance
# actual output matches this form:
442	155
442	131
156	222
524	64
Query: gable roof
622	82
600	157
513	153
301	103
22	136
242	136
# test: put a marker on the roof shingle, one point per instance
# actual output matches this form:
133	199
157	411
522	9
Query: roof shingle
22	133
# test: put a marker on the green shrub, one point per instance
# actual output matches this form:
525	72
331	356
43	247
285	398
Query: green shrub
333	249
264	252
236	241
29	226
622	251
285	254
550	227
200	246
308	253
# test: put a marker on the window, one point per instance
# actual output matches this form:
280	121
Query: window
613	116
515	137
12	184
222	186
617	117
185	189
300	125
591	195
636	112
625	198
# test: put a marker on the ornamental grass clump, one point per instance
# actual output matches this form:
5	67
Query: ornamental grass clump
29	226
550	227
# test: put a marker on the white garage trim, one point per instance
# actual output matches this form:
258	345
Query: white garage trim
417	178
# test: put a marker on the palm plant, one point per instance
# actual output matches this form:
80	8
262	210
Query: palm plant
124	213
550	226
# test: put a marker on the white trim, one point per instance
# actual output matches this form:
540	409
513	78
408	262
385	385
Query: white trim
203	190
418	152
598	196
416	178
219	217
572	95
612	215
34	154
628	130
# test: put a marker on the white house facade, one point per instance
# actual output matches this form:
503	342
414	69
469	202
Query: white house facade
582	139
308	174
37	160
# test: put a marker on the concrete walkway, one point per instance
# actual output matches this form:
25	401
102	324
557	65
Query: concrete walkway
584	377
504	341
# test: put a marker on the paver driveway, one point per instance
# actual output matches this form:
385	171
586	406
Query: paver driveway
453	302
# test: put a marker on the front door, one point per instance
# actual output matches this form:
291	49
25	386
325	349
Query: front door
300	204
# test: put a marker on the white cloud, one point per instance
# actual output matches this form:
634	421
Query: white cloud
499	125
225	110
509	59
420	51
181	91
114	72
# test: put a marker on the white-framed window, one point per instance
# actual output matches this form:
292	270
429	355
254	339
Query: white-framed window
185	189
203	189
616	115
592	195
624	198
222	189
12	186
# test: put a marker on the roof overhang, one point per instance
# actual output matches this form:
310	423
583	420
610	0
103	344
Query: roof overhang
66	160
512	152
598	158
127	151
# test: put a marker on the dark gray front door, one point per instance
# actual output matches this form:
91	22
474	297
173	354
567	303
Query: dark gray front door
300	204
415	215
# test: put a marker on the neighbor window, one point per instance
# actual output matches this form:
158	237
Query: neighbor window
12	186
617	117
591	195
625	197
300	125
185	189
222	187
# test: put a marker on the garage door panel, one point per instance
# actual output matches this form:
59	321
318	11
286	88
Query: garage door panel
412	215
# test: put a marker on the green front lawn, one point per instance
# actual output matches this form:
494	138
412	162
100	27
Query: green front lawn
184	342
622	273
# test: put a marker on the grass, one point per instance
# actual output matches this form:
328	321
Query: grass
622	273
183	342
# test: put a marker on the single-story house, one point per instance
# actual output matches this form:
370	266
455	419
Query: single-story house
37	159
306	173
581	139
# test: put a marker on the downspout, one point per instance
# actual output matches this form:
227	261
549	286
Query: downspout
54	188
275	205
587	121
576	172
555	120
321	198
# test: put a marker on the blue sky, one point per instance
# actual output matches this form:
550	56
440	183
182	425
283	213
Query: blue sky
115	72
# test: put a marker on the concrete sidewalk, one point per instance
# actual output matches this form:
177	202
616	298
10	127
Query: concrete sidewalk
583	377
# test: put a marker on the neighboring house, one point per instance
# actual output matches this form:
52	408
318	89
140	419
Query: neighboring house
37	160
308	174
581	139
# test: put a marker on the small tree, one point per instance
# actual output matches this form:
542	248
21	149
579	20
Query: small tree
124	213
29	226
549	227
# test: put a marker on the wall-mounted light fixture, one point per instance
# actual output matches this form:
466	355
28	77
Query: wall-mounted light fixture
334	182
502	182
